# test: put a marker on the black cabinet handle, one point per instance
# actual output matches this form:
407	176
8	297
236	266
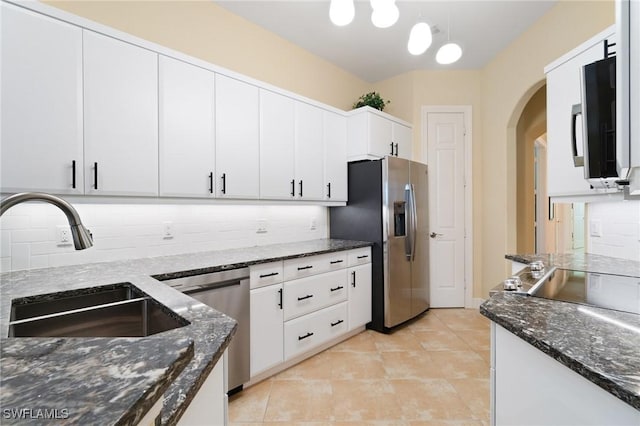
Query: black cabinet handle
73	174
305	336
353	278
337	288
333	262
211	183
391	148
301	268
308	296
329	190
301	188
95	175
396	149
333	324
224	183
293	188
269	275
280	296
363	257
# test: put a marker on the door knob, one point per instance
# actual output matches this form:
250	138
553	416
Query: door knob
434	234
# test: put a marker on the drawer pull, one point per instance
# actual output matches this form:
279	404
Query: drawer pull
305	336
301	268
308	296
337	288
363	256
333	324
333	262
269	275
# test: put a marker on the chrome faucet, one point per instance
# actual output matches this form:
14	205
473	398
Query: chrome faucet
82	238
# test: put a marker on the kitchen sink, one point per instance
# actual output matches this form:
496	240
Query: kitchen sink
117	310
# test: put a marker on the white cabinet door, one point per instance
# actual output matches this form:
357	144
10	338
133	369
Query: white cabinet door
267	347
186	95
564	91
277	136
380	136
335	156
41	104
237	139
359	295
309	152
402	141
121	117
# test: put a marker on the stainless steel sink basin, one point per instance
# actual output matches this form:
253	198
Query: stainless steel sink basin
118	310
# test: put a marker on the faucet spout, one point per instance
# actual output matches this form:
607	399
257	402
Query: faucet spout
81	236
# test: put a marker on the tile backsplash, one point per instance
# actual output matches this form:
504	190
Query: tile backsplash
614	229
31	232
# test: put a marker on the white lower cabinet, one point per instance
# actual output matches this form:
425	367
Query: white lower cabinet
545	392
300	304
266	328
305	333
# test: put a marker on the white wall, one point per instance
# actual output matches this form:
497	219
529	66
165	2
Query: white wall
28	232
614	229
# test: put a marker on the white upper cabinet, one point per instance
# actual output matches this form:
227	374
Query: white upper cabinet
308	152
374	134
121	117
565	180
186	96
277	145
237	139
41	140
335	156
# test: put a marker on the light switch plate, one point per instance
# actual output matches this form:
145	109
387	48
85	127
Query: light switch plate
595	228
262	226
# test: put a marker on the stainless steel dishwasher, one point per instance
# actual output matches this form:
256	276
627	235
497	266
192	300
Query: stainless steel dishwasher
228	292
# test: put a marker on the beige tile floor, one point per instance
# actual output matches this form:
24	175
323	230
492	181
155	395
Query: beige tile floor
434	371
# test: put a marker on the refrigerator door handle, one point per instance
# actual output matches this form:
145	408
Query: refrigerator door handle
408	223
414	222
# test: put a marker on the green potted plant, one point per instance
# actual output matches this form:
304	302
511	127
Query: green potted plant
372	99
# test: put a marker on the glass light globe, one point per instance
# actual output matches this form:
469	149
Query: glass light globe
448	53
341	12
385	14
419	38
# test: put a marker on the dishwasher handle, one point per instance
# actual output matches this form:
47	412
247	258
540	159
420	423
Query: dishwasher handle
207	287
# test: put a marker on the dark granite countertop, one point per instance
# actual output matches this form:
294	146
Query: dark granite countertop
71	363
602	345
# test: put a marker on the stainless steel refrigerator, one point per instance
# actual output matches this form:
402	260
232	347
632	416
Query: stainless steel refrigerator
388	205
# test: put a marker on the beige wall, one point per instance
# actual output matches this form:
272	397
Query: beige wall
208	32
531	125
497	93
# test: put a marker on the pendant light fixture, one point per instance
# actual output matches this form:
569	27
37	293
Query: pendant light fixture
449	52
341	12
419	38
385	13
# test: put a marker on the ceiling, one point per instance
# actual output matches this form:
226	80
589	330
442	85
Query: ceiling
482	27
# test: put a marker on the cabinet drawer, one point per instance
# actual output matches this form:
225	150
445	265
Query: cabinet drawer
359	256
265	274
312	265
310	294
304	333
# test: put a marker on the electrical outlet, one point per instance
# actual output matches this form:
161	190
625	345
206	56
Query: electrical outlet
262	226
312	224
167	230
64	236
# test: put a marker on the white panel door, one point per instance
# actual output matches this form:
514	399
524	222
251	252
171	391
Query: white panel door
335	156
359	295
380	136
237	139
309	152
41	104
267	328
186	96
402	140
121	117
445	133
277	142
